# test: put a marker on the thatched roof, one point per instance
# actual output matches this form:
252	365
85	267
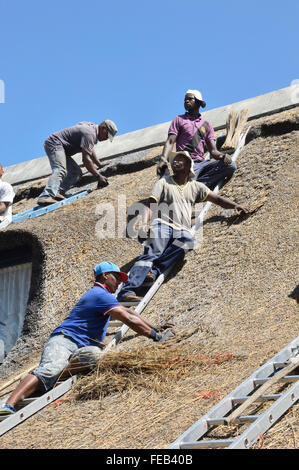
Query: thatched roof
234	303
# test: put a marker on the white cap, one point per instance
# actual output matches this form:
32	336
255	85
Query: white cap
198	96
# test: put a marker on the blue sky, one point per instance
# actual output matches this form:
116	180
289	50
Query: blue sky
131	61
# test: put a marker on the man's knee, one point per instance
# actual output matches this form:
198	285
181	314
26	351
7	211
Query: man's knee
59	172
88	356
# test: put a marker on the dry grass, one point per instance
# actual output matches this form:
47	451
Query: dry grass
155	368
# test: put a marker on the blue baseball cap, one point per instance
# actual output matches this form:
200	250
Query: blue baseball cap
107	267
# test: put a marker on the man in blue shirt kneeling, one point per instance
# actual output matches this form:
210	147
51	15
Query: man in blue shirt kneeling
75	345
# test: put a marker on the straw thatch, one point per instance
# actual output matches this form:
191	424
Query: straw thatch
235	299
234	127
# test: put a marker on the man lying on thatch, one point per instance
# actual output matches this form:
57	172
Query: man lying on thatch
190	132
75	345
62	145
170	232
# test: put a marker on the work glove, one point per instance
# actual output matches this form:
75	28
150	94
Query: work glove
162	337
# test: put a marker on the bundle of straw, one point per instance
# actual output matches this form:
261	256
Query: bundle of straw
235	125
155	368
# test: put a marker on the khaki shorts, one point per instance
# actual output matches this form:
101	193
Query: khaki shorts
57	352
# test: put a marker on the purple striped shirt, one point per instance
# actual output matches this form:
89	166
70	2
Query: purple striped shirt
184	127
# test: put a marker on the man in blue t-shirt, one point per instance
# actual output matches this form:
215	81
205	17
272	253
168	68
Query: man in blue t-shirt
75	345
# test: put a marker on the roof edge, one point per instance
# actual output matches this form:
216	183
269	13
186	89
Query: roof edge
259	106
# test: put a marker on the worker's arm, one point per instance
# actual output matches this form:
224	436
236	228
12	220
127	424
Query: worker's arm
97	162
3	206
148	211
168	146
144	230
133	321
161	327
225	203
88	162
211	144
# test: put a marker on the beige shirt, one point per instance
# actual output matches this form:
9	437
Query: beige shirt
175	202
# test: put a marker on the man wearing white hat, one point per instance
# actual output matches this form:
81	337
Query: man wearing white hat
190	132
62	145
169	214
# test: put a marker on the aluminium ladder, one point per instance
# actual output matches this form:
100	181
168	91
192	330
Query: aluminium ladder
252	391
30	406
37	211
42	210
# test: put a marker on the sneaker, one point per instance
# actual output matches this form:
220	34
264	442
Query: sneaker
59	197
149	279
6	410
132	299
45	201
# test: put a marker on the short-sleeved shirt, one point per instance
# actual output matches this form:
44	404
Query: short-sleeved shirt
73	139
175	202
88	321
6	195
185	127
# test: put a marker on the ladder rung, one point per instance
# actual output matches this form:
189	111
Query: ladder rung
215	422
218	421
222	443
243	419
262	398
280	365
290	378
240	419
287	378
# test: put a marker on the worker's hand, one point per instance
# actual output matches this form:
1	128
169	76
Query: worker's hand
101	165
242	210
227	159
161	168
164	326
143	233
102	182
